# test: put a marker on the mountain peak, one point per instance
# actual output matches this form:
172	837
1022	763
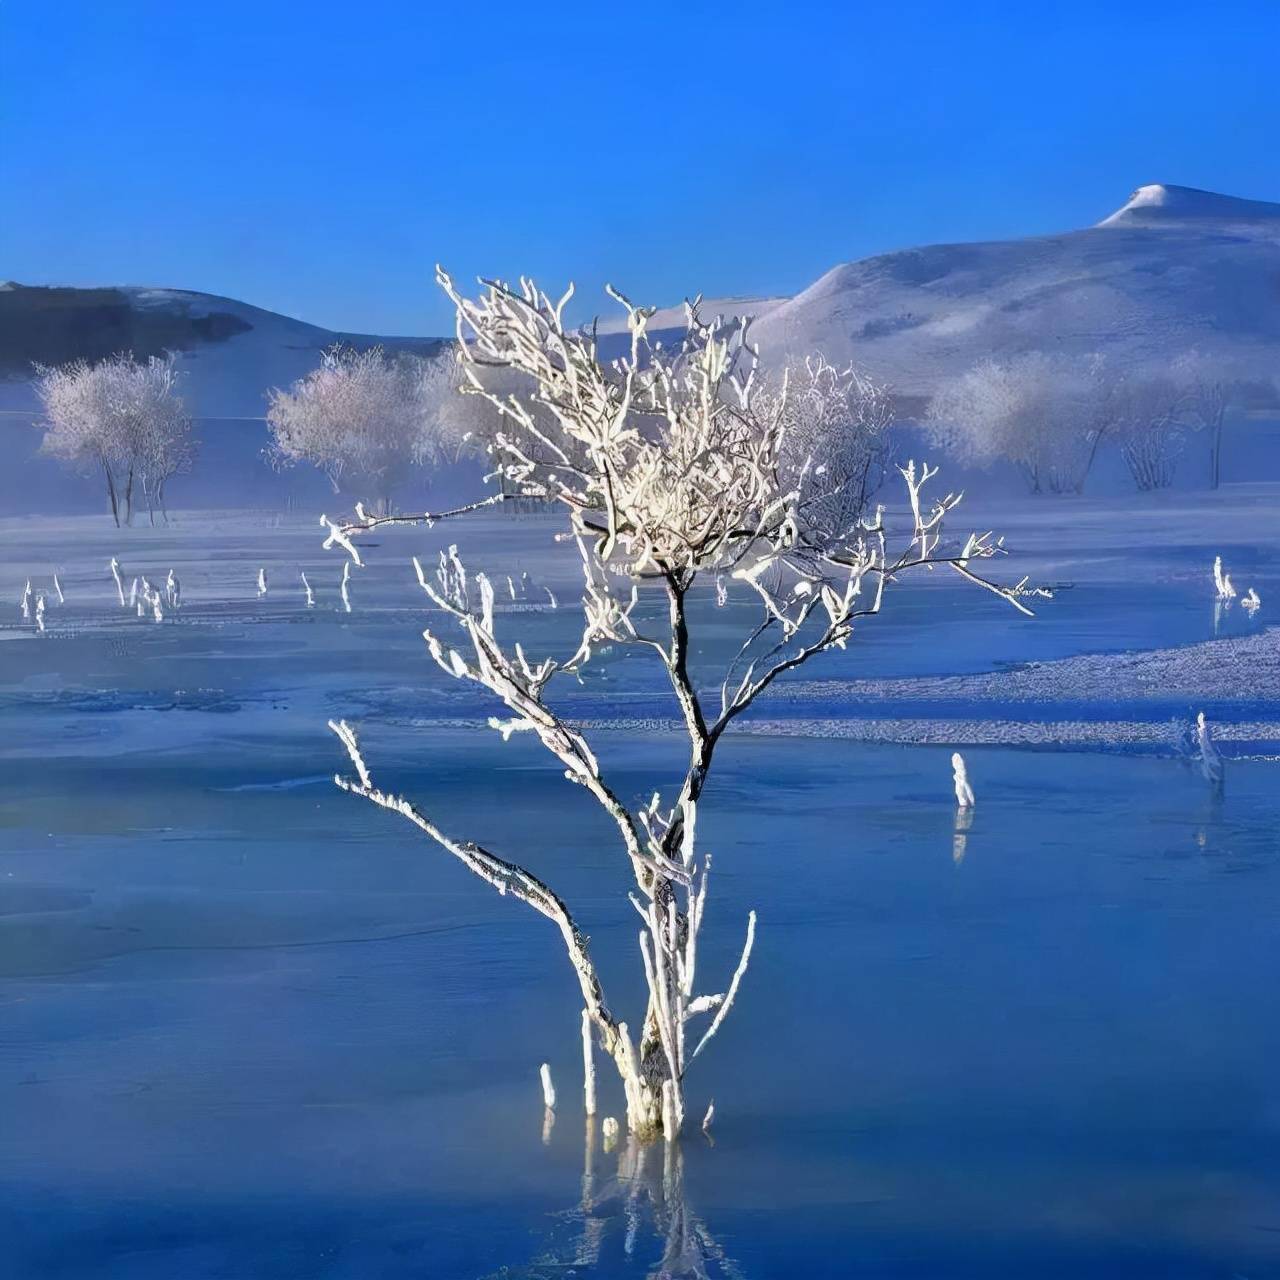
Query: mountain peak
1161	203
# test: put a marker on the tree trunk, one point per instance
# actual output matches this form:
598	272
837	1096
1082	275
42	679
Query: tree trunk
642	1078
1089	461
654	1070
111	493
128	499
1215	457
648	1124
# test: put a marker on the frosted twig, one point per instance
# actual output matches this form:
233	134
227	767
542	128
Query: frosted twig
964	792
1210	761
507	878
1222	581
338	537
730	995
341	534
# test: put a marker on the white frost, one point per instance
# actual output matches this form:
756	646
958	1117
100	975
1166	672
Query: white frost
964	792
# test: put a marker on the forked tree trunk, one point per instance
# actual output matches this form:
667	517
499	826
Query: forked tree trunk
642	1081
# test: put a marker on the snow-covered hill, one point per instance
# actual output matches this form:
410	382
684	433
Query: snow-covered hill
613	319
1172	269
231	353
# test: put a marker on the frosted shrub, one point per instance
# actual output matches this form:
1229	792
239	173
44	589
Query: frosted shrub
1045	414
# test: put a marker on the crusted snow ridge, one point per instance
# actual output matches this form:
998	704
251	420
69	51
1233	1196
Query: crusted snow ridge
1239	669
1248	739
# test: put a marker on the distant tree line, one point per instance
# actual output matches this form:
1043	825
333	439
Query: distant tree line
1049	415
365	418
368	419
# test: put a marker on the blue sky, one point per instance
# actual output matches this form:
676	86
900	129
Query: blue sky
318	157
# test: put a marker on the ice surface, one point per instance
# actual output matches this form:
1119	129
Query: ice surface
255	1028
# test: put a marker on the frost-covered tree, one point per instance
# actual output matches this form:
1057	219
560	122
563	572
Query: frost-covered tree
1144	415
1208	385
1044	413
836	448
478	427
365	417
162	429
121	416
673	476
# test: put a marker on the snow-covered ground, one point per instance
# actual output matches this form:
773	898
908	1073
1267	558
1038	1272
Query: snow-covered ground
254	1028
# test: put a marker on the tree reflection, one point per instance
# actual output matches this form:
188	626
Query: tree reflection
632	1208
959	836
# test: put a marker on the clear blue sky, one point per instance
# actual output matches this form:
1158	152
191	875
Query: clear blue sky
318	157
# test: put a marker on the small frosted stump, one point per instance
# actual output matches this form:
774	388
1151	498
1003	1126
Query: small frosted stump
964	792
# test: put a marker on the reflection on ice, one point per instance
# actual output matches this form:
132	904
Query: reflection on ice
633	1220
959	839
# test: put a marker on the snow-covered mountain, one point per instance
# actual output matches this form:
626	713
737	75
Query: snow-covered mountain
1172	269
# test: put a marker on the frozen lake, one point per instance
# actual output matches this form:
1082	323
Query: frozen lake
252	1027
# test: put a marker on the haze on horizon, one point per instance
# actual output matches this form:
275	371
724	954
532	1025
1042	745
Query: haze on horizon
319	163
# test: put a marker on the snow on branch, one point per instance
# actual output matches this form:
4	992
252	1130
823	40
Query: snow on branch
340	535
727	1002
672	464
506	877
